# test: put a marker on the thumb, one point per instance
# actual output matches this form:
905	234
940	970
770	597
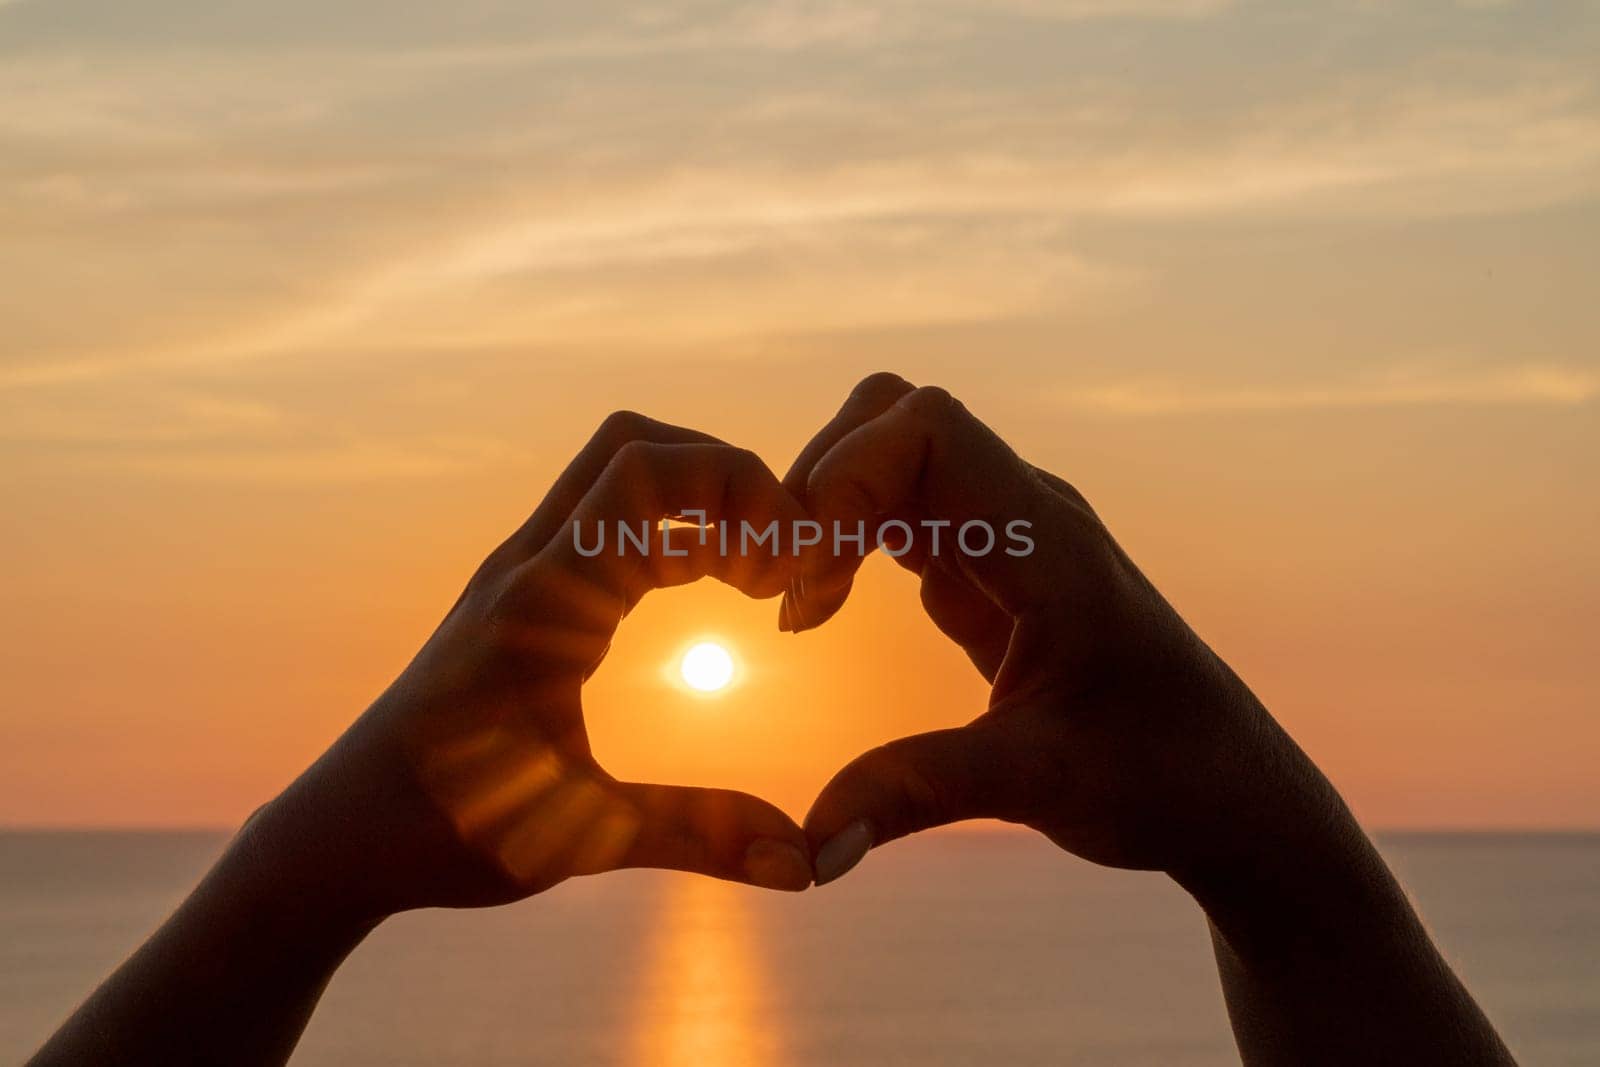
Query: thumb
908	785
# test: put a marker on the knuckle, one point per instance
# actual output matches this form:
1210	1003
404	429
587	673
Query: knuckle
1063	488
839	489
932	403
878	384
745	461
507	602
922	803
632	458
925	800
622	426
487	581
829	483
495	565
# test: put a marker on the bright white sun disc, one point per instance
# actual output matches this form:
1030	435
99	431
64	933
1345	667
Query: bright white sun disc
707	667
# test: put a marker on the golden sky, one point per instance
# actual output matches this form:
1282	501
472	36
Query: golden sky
302	306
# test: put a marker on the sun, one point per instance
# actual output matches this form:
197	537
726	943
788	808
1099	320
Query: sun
707	667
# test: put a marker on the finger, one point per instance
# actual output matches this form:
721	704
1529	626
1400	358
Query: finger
871	397
959	608
1063	487
928	455
717	832
679	553
964	614
612	550
807	608
731	489
961	611
909	785
617	430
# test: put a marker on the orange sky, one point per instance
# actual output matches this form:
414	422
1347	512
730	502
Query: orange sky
298	317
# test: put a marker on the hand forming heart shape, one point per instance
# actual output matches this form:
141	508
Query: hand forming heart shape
497	795
1111	728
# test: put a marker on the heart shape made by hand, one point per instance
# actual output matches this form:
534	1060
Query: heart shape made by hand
490	715
1083	657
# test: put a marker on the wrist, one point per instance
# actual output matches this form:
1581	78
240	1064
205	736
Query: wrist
1282	859
1314	884
284	862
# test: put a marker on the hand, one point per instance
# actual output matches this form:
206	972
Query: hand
1111	728
470	781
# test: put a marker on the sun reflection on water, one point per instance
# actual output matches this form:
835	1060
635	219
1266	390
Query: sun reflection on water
706	997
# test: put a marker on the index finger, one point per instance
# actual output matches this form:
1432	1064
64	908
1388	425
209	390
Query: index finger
616	432
871	397
980	505
612	548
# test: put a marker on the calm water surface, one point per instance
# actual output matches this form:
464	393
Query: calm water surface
960	948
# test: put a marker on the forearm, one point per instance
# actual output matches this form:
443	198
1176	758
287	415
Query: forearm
1323	959
231	977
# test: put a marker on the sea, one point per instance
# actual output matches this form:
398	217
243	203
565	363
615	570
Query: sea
963	947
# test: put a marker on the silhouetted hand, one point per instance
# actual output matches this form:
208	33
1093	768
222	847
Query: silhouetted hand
1111	727
470	781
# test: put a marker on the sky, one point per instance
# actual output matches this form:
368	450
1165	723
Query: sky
303	305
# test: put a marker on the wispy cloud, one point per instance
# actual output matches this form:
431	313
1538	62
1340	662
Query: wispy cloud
342	462
1495	387
730	176
826	244
190	434
1097	9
